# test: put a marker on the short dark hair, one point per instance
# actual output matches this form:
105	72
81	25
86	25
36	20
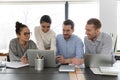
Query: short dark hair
95	22
19	27
69	22
45	18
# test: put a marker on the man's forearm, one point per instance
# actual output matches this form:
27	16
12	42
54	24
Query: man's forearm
67	61
76	61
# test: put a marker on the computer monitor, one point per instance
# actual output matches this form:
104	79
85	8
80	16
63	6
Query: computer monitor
49	57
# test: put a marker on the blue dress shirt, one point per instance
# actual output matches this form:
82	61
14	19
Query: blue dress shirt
70	48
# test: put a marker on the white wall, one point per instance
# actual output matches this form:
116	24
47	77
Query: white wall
108	12
108	16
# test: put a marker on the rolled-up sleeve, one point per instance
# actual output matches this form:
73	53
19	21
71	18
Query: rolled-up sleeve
79	49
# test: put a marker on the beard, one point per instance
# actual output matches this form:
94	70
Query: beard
66	37
93	38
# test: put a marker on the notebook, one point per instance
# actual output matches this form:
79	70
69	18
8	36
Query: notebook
15	64
49	57
67	68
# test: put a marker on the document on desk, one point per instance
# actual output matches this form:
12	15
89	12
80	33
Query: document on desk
15	64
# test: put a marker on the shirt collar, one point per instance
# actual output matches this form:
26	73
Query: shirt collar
99	38
70	37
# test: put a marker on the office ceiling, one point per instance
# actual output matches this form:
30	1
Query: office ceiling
46	0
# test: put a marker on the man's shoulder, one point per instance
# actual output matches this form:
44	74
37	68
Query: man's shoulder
59	35
87	41
76	38
86	38
105	35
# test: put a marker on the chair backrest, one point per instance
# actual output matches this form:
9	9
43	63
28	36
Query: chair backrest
4	56
115	45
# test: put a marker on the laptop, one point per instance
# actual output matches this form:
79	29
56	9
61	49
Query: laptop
49	57
96	60
99	63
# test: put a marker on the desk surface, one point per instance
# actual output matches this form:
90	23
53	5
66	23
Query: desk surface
28	73
87	74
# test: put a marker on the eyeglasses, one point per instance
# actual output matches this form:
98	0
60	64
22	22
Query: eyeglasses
27	33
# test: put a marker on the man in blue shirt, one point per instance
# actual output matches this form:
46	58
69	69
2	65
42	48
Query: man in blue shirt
69	46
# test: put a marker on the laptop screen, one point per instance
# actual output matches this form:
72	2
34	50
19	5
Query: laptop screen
96	60
49	57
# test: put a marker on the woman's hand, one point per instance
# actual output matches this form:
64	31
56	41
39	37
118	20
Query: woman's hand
24	60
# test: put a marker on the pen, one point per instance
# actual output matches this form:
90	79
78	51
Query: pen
41	57
38	56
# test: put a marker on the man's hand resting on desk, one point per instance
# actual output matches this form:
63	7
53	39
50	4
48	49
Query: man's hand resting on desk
62	60
24	60
77	61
